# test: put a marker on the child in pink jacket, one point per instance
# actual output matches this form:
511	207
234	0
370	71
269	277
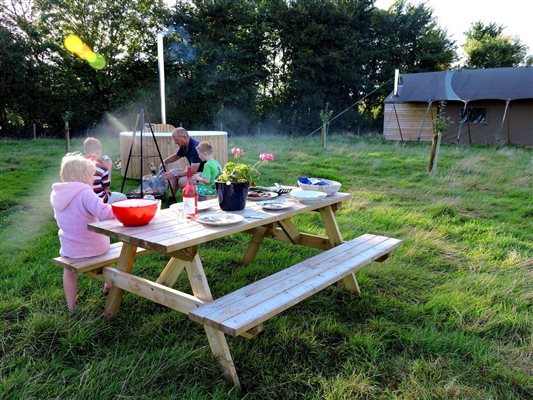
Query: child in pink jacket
76	205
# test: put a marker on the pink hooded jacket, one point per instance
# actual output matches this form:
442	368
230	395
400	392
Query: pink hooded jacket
76	205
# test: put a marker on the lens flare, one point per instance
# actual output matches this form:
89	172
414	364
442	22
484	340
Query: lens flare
73	43
76	46
99	62
85	53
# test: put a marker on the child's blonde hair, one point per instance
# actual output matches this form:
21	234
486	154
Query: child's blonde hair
205	147
76	168
92	147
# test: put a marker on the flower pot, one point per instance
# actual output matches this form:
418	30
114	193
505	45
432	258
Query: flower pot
232	196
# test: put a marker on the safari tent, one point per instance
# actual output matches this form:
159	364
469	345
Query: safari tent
485	106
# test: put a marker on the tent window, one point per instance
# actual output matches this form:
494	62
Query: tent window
474	115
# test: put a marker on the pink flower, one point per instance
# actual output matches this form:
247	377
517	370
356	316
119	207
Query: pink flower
236	151
266	156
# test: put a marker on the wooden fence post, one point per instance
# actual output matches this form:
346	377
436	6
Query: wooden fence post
67	137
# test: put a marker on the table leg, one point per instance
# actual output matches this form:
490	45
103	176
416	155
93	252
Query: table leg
217	340
350	283
335	239
220	349
254	245
290	230
198	280
330	223
172	271
125	263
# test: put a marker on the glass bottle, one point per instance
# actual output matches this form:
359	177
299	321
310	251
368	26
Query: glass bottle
190	197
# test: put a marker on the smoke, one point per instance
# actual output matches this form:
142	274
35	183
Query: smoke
127	118
177	45
234	121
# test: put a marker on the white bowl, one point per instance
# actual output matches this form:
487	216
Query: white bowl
307	196
331	188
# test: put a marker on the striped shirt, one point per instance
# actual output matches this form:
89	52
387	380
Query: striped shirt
101	179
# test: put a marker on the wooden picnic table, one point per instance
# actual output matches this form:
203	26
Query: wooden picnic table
179	238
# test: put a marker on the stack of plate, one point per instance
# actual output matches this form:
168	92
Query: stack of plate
308	196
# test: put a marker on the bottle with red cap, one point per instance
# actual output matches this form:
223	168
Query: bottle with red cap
190	197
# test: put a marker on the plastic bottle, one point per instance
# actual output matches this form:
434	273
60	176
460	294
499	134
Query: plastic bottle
190	197
153	169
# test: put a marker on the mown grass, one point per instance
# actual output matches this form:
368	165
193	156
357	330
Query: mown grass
448	316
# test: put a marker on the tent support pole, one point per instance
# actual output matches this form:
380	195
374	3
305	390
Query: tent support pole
503	120
461	125
424	120
397	121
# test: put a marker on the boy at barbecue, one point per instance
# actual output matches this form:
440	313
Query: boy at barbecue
205	181
76	205
92	148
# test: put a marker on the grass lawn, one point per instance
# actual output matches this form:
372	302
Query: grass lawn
447	317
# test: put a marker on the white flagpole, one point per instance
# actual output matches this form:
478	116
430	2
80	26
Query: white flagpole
161	63
396	76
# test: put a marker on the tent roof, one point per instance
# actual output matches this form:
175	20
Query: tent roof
465	85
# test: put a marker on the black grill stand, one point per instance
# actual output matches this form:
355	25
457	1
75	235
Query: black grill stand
139	123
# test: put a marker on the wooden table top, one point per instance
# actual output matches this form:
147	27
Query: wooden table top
166	233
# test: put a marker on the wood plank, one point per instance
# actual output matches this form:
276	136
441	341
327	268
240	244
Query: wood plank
283	300
251	333
197	279
153	291
411	119
288	227
330	224
285	275
186	254
219	348
304	239
125	263
254	244
296	275
166	234
90	263
166	296
351	285
171	272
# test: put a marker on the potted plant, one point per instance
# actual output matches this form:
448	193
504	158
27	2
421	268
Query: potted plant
233	183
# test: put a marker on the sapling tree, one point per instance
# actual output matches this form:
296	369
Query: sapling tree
325	117
440	125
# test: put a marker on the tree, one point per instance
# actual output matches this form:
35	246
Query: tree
220	64
14	81
487	47
321	48
122	31
405	37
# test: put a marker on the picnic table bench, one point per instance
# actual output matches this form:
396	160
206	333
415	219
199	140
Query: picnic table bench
251	305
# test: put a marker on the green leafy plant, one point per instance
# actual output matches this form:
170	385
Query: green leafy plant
440	125
238	172
325	115
442	121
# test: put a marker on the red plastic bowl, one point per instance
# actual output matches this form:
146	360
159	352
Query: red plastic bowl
135	212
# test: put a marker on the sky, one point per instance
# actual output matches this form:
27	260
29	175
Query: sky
456	17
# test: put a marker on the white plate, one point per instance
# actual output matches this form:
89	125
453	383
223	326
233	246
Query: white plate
219	218
308	196
201	206
262	198
275	204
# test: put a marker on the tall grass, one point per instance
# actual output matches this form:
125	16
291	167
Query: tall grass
448	316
